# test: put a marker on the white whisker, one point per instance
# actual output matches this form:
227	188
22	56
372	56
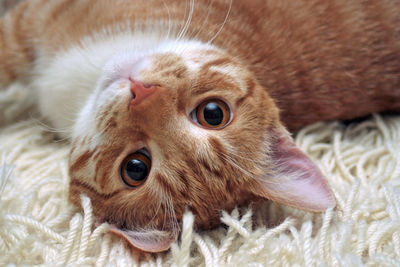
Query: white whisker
173	223
205	20
169	20
48	128
223	24
155	213
238	153
183	26
235	164
188	21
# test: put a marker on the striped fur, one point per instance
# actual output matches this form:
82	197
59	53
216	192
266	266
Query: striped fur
189	167
334	52
275	62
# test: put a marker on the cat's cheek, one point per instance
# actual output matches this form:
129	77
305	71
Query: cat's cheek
198	133
115	94
106	105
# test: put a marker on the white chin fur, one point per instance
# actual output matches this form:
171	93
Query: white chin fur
64	83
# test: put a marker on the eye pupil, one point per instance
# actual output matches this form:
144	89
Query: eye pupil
213	114
137	170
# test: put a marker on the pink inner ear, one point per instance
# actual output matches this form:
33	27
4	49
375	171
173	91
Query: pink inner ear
296	181
146	240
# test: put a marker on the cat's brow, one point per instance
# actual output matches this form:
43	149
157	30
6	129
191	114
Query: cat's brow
217	89
216	62
216	82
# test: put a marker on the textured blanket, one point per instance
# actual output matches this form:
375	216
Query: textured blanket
361	162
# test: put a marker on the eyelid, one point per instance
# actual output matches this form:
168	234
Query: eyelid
144	151
192	107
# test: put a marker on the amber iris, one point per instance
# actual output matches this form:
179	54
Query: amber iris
135	169
213	113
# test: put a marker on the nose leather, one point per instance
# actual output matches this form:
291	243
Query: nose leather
140	91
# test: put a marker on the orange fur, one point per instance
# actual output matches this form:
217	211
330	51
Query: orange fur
195	176
324	55
291	63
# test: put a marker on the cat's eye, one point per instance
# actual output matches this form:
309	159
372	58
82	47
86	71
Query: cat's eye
212	113
135	169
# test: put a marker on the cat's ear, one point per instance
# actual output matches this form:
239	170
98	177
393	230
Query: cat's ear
146	240
294	180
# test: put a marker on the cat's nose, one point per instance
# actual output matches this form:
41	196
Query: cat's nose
140	91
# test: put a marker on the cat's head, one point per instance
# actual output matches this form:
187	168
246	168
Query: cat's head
188	128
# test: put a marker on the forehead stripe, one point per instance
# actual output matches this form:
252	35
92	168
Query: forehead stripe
222	86
216	62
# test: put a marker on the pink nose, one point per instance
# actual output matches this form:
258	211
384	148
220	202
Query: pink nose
140	91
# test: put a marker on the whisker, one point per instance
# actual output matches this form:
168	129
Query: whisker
155	213
239	153
172	215
235	164
188	21
183	26
223	24
169	20
51	129
205	20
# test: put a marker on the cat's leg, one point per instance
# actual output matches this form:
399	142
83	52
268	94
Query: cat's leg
16	53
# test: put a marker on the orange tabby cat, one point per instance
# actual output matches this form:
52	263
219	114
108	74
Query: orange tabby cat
174	105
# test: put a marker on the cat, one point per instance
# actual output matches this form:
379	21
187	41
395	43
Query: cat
178	105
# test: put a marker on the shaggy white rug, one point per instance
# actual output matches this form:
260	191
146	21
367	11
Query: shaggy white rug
360	161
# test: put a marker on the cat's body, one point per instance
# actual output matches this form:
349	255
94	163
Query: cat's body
325	56
314	60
